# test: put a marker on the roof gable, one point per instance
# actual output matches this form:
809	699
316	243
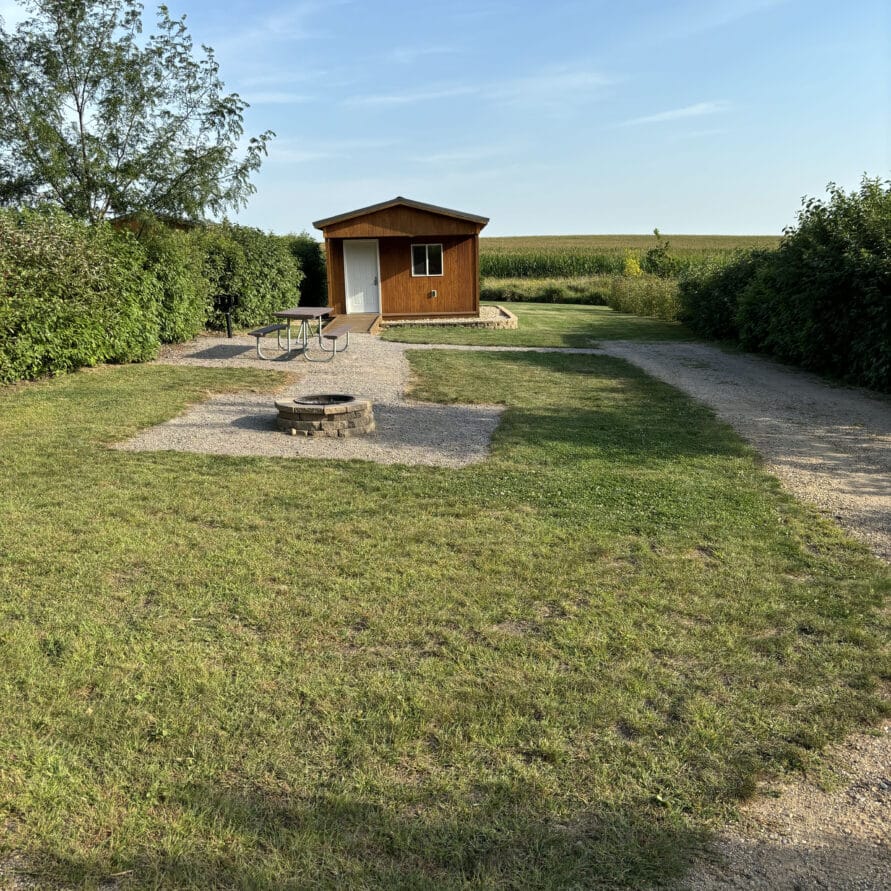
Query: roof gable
399	201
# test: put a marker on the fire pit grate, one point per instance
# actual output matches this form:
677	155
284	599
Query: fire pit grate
325	399
325	414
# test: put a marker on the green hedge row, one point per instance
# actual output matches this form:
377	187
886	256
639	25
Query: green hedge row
821	301
590	291
645	295
74	295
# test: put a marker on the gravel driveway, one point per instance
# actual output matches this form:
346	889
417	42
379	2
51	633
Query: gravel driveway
831	446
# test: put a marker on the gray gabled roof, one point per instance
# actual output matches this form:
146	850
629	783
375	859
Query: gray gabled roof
406	202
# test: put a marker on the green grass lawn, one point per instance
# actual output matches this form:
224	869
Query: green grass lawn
559	668
550	325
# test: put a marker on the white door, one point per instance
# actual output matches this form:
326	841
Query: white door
361	276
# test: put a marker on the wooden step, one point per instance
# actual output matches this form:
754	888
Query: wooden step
360	322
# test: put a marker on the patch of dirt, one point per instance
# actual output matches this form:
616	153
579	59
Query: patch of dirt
802	837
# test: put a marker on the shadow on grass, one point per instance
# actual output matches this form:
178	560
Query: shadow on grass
502	838
598	402
222	351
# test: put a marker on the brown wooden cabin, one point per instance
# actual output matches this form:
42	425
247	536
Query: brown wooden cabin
404	259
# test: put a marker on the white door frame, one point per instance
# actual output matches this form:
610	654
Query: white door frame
346	270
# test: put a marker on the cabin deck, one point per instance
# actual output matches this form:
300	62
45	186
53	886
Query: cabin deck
362	322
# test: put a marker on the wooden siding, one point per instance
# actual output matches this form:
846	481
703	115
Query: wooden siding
336	287
401	221
404	295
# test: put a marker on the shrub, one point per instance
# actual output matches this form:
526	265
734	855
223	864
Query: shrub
709	295
631	267
658	260
311	257
648	295
177	261
822	300
257	267
591	291
71	295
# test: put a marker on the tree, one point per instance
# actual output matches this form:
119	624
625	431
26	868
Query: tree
103	121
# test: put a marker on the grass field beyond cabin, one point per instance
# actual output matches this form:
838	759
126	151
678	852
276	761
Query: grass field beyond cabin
556	669
548	325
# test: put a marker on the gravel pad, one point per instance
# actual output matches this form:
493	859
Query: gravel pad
245	424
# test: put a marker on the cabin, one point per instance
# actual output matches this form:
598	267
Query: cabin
402	259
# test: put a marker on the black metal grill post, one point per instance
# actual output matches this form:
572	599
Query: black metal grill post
225	303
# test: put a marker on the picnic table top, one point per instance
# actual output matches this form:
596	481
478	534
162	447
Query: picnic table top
304	312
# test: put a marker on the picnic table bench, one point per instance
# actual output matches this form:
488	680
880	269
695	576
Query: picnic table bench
334	331
260	333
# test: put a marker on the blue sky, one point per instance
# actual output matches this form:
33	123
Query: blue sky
714	116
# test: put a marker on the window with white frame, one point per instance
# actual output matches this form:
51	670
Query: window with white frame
426	259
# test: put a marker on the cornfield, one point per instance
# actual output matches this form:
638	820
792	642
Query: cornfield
586	255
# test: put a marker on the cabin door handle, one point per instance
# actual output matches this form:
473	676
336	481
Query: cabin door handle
375	281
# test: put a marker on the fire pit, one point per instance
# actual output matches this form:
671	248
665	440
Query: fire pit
325	414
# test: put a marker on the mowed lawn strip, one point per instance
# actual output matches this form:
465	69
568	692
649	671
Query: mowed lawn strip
558	668
548	325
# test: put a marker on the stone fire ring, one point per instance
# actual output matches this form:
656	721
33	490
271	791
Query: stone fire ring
325	414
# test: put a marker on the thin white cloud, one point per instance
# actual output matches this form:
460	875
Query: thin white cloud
701	134
698	110
273	97
407	55
287	25
701	18
293	151
411	97
459	155
555	87
283	78
551	88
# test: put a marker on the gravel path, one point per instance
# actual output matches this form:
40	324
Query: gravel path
831	446
808	837
244	424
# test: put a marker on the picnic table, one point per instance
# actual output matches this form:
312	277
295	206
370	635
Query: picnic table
302	314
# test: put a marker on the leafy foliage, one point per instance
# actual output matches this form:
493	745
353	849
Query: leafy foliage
659	260
102	121
71	295
645	295
822	300
74	294
176	260
709	295
311	257
631	266
589	291
256	267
